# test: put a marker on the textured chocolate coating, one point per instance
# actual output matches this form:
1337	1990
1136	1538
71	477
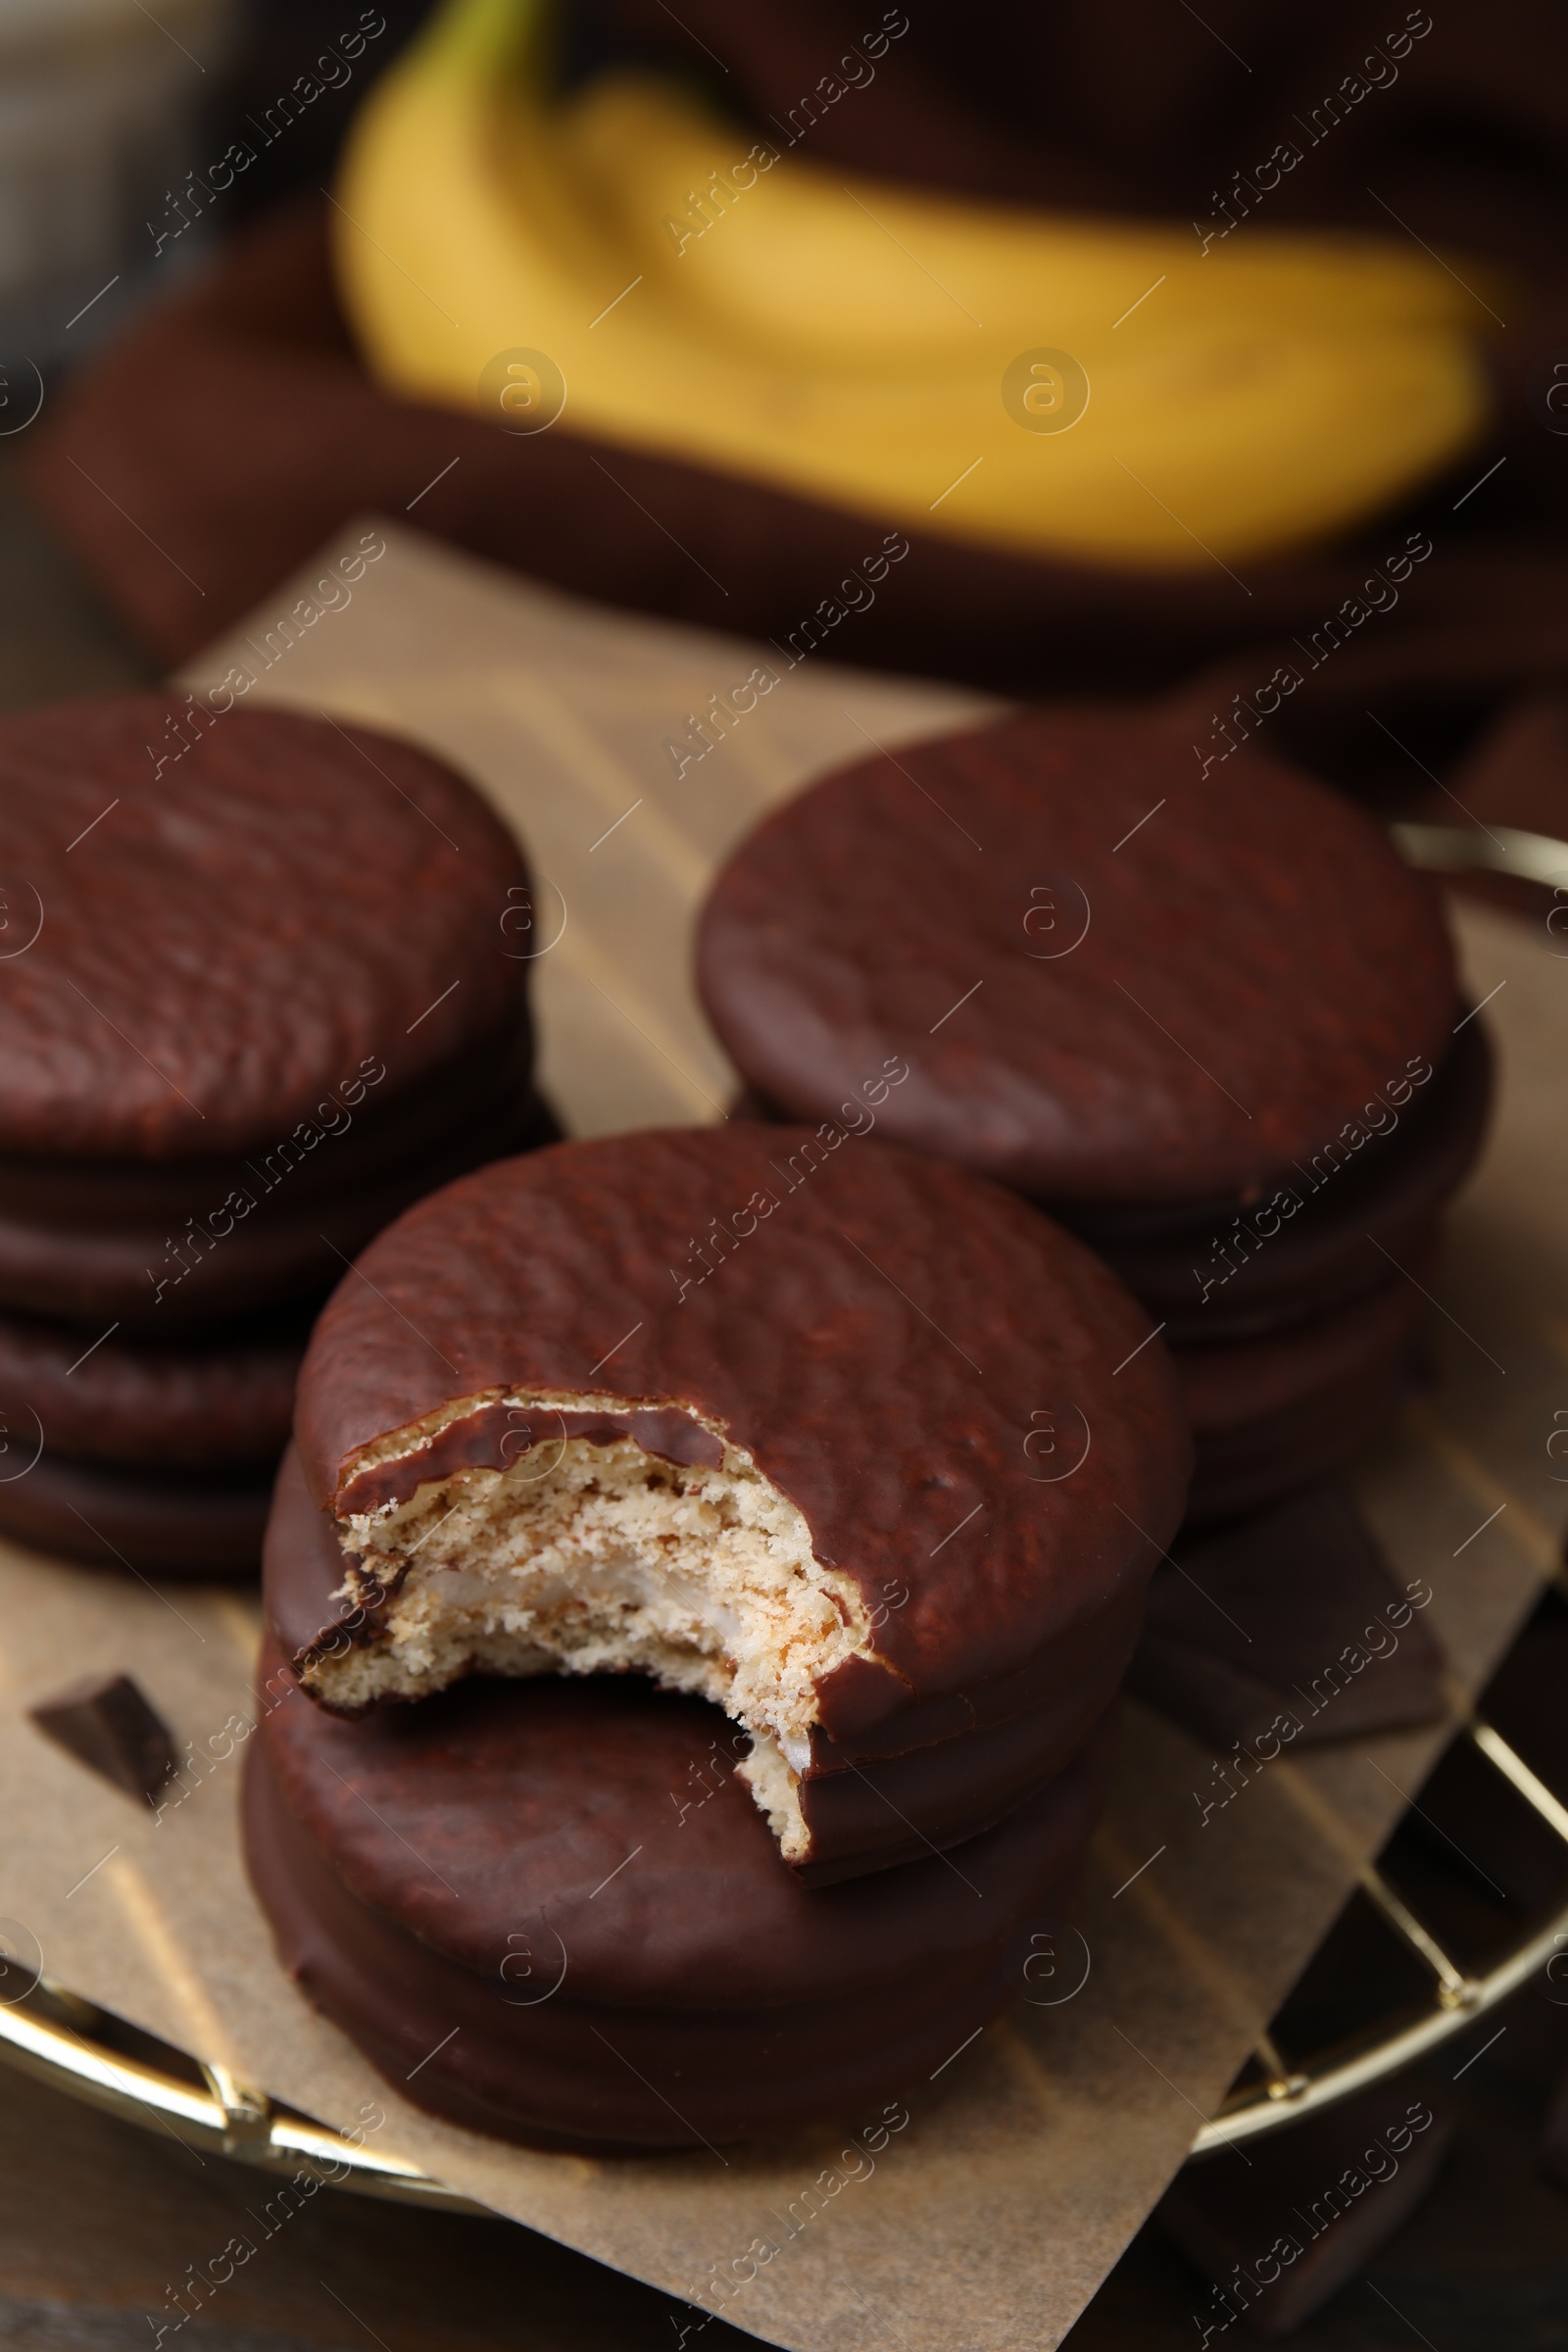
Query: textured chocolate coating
197	1404
885	1339
952	1771
512	1857
153	1522
1249	1617
184	1245
266	908
1234	1273
518	1797
1271	1262
1254	960
1275	1413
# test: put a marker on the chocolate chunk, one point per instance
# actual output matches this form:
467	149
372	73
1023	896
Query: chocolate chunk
108	1724
1308	2210
1292	1611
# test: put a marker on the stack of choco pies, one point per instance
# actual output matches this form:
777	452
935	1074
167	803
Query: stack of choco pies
697	1597
262	984
1209	1020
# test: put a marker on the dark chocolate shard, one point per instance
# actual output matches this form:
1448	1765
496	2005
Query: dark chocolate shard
108	1724
1310	2209
1292	1611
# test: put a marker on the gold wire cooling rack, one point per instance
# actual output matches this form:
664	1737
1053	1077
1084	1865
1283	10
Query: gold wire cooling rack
53	2033
1280	2092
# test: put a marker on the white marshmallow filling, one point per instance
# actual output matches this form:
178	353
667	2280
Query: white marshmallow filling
585	1557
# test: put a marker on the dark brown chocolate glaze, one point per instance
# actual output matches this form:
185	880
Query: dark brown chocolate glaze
1235	1273
885	1341
1248	1469
468	1859
181	1522
271	903
259	989
1242	1381
1289	1612
497	1436
1252	962
503	1805
1348	1213
863	1811
194	1404
1278	1411
223	1248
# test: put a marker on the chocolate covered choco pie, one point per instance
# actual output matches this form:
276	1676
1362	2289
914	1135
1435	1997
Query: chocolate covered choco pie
545	1912
262	983
854	1445
1202	1012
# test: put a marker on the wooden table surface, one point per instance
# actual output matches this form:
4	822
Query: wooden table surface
99	2218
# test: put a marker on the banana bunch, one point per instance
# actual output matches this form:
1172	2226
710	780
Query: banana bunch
1101	391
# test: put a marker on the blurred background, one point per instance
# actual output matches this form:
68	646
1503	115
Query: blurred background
226	375
110	120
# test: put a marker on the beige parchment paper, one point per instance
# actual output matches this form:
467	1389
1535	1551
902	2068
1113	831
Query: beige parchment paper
1031	2159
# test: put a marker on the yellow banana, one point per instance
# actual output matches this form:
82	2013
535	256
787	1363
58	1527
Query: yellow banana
886	351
